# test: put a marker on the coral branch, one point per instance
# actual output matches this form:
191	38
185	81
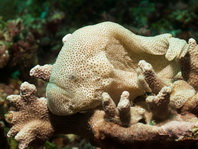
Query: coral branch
15	100
159	104
192	43
4	55
41	72
109	107
150	77
124	108
189	66
33	124
31	118
120	114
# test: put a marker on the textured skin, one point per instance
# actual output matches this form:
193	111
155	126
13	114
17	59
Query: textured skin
159	104
33	123
104	58
30	122
181	93
41	72
148	79
189	67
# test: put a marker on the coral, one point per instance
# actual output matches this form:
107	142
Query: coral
109	106
33	123
41	72
159	104
7	32
12	87
38	125
148	79
4	56
89	65
24	51
120	114
17	48
127	100
192	43
189	67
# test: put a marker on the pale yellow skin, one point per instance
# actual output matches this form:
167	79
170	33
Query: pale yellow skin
104	58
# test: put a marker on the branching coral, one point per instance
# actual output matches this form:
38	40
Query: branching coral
16	47
159	104
8	31
125	100
4	56
41	72
34	123
120	114
38	125
189	65
147	78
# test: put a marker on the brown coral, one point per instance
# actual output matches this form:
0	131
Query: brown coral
33	123
147	75
17	48
41	72
189	67
120	114
130	100
36	125
11	29
4	54
159	104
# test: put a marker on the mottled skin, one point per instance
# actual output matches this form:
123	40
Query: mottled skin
104	58
123	125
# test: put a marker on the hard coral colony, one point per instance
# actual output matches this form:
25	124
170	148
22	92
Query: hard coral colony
116	88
